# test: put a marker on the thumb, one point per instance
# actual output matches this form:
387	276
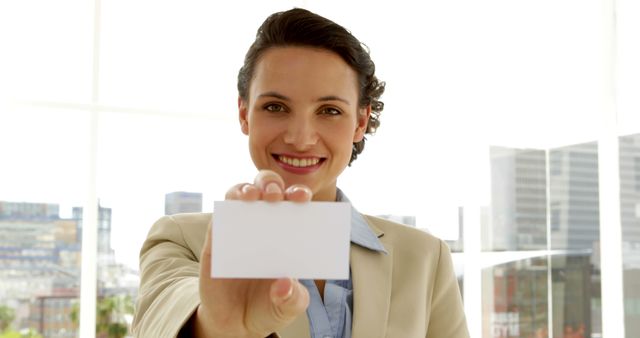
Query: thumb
289	299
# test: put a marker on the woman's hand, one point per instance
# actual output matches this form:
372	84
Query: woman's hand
250	307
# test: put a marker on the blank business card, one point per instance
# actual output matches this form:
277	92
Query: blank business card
282	239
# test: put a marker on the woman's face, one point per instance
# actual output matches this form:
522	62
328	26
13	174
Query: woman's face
302	116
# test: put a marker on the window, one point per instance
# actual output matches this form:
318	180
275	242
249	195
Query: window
499	114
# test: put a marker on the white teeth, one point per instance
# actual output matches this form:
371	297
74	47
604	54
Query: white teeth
297	162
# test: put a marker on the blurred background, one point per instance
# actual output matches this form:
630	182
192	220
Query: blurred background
518	120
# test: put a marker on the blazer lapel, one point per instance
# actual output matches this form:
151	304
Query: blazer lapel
371	273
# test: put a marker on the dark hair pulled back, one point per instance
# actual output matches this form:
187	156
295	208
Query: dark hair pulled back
300	27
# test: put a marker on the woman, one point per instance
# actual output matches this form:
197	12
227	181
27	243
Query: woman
307	97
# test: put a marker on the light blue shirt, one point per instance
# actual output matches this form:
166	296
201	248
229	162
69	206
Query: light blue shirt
332	319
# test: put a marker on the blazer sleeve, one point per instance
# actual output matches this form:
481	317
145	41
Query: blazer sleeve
169	282
169	272
447	312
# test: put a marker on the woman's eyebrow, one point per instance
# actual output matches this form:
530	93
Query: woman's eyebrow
275	95
333	98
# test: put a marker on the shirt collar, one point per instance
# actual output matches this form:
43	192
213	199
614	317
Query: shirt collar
361	233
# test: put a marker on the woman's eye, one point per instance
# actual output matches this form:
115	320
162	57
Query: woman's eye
274	108
330	111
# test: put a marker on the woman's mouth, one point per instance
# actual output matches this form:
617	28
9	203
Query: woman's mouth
299	165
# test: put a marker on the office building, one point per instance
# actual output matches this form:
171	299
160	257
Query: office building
630	218
104	230
518	200
519	222
40	256
182	202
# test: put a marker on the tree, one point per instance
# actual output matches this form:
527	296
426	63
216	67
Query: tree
7	315
111	316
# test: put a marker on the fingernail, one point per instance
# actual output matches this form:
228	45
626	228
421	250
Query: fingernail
272	188
284	289
296	188
246	188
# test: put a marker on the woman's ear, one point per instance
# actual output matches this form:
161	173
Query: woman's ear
243	115
363	121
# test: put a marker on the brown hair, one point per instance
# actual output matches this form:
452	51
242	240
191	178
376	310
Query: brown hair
300	27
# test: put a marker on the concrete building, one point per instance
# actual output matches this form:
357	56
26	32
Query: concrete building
105	252
50	315
182	202
24	210
39	254
40	265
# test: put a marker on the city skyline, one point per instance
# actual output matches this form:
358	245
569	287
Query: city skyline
517	219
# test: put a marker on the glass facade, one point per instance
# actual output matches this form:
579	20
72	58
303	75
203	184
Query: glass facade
630	216
515	302
576	275
572	261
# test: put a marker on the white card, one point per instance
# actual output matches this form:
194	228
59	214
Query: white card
282	239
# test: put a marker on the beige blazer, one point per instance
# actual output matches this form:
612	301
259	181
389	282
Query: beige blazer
409	292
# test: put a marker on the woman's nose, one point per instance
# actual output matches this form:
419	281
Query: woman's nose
301	133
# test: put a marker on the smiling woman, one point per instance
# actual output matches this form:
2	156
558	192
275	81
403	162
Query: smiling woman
302	117
489	141
307	97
